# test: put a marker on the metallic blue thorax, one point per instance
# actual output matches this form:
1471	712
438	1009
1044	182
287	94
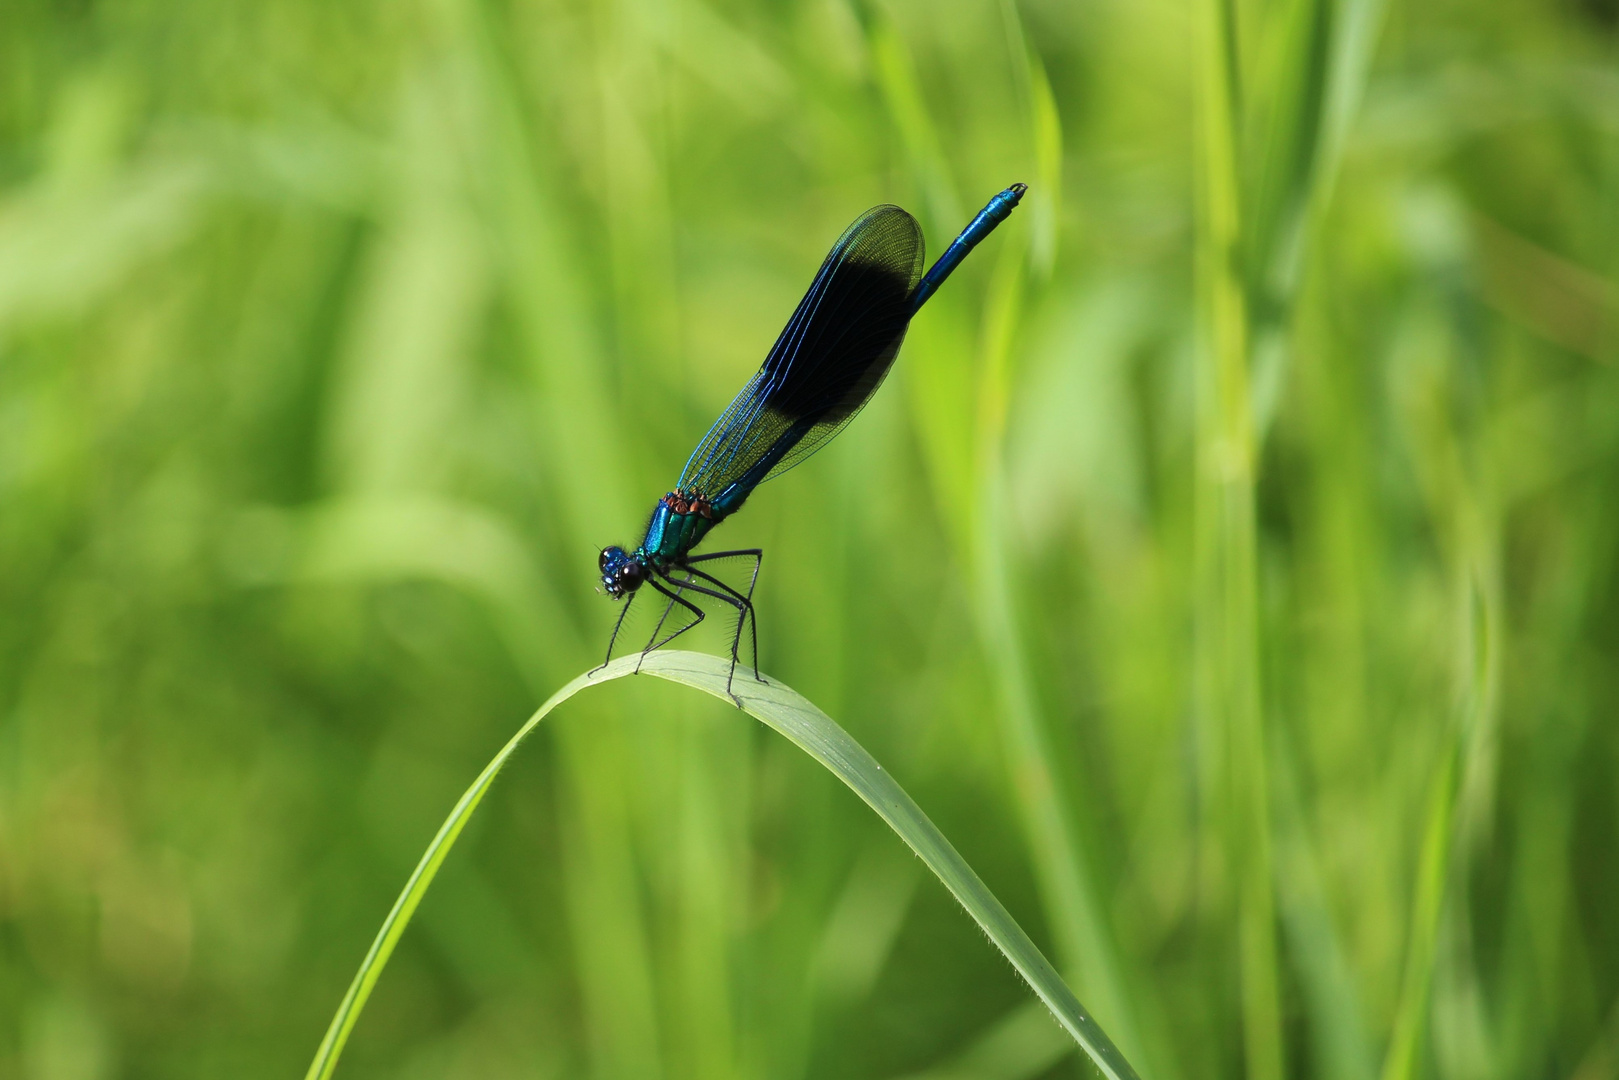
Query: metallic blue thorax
681	519
677	526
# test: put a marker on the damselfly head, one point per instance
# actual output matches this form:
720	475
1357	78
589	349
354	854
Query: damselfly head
622	572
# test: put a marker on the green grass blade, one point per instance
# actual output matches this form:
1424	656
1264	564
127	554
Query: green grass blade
1426	912
817	735
902	90
365	980
822	739
1229	631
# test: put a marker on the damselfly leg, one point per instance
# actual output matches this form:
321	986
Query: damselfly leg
743	602
618	625
654	643
658	629
726	594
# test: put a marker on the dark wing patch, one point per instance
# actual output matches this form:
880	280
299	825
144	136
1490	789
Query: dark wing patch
828	361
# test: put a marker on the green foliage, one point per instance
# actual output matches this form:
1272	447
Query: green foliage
813	732
1227	566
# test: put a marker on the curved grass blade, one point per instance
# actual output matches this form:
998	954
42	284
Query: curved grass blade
817	735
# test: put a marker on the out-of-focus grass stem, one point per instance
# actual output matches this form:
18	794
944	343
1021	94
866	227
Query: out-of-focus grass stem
1044	199
1458	483
1228	605
902	92
1061	864
1411	1016
1068	894
1276	95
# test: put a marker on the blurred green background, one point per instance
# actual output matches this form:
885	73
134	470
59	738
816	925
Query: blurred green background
1227	565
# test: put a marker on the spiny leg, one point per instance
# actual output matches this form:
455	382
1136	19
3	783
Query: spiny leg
616	626
667	608
744	612
734	601
758	556
676	598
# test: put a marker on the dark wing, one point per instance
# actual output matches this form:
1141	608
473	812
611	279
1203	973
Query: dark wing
826	364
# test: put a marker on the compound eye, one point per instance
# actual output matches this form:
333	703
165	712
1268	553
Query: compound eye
601	560
631	571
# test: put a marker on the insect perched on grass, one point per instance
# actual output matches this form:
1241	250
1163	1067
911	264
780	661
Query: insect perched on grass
824	367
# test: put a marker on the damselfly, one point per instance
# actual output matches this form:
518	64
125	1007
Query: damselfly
824	367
